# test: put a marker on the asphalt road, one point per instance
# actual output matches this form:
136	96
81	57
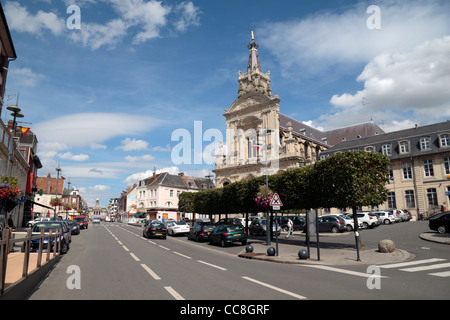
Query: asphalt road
112	261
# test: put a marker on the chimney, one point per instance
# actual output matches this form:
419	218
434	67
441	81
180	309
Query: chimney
181	174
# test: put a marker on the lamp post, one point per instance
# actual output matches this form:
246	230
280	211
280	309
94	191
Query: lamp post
58	170
16	114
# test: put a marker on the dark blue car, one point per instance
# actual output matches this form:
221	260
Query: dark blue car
65	238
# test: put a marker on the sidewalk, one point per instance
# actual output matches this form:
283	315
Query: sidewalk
330	253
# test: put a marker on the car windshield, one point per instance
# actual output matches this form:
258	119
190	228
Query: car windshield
181	223
46	227
157	225
232	228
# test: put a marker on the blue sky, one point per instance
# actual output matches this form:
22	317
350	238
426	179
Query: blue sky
105	99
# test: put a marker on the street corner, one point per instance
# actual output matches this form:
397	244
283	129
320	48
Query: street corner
443	238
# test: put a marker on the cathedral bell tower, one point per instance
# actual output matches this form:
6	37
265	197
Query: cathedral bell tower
254	80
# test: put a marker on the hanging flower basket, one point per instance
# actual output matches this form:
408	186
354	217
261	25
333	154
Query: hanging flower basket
8	188
56	202
263	197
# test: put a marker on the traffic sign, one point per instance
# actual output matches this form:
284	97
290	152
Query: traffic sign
276	201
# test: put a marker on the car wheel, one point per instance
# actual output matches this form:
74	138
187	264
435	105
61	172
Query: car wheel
349	227
365	225
334	230
387	221
197	238
64	247
441	229
223	243
244	242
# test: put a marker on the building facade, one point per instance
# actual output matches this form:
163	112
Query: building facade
419	166
260	140
157	196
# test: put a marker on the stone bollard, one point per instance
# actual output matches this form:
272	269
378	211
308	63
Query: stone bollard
386	246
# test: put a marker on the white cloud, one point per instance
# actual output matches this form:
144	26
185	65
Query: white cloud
24	77
332	41
189	15
19	19
85	129
133	144
146	157
415	82
135	177
70	156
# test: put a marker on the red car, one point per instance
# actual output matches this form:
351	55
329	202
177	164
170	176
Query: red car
82	221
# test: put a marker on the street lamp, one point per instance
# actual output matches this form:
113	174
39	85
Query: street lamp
58	170
16	114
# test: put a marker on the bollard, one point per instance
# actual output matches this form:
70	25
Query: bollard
249	248
303	254
271	251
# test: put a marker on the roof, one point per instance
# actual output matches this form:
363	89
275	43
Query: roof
334	136
412	135
6	35
178	181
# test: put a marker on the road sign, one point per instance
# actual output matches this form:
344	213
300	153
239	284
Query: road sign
276	207
276	201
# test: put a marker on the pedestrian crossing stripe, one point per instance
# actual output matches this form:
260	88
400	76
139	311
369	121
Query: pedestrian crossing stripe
411	263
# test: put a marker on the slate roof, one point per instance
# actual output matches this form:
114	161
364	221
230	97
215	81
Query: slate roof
334	136
413	135
178	181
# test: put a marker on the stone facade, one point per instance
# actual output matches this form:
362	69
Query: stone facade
260	139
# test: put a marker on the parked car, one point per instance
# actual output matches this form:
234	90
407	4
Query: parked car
396	215
299	222
36	220
229	221
387	217
366	220
408	214
54	225
402	215
440	222
73	226
228	233
200	232
376	217
96	220
331	223
349	222
259	227
82	221
155	229
177	228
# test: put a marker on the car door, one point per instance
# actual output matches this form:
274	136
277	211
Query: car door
216	235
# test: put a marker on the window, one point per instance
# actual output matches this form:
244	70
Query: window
391	200
386	149
428	167
369	149
407	173
425	143
404	146
447	165
409	199
432	197
171	193
252	148
445	140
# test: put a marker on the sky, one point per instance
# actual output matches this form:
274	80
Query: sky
112	88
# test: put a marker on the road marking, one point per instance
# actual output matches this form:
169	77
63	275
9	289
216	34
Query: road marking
120	242
134	256
187	257
174	294
151	242
150	271
353	273
275	288
411	263
434	266
441	274
126	249
164	247
212	265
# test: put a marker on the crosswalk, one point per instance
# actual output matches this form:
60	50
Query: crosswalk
421	266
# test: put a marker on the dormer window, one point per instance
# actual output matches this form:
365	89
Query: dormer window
444	140
404	146
369	149
425	143
386	149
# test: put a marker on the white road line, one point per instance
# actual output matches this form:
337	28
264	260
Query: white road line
151	242
120	242
134	256
433	266
411	263
126	249
150	271
212	265
174	294
441	274
353	273
275	288
164	247
187	257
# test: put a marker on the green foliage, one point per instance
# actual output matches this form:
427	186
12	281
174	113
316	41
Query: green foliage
348	179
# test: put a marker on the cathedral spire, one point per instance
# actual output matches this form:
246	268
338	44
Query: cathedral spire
253	60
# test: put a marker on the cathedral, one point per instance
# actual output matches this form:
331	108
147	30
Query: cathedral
260	140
